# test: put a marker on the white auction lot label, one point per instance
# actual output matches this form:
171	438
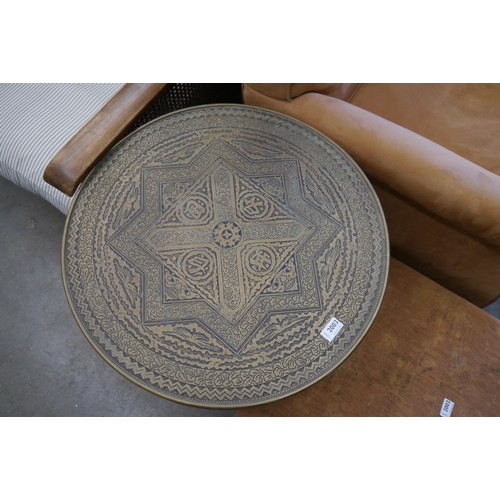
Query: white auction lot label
447	408
332	329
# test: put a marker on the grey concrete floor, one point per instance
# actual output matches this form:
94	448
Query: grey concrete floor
47	367
494	309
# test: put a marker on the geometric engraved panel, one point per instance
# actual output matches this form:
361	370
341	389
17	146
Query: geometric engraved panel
207	252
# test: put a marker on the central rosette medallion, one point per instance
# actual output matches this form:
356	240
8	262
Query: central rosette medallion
227	234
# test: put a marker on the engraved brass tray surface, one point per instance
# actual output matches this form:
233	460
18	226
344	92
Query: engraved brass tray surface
206	254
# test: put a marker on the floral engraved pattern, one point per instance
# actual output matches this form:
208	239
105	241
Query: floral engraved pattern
327	265
286	280
208	251
127	209
199	340
314	189
279	326
126	279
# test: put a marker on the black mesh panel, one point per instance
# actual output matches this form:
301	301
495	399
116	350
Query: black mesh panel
184	95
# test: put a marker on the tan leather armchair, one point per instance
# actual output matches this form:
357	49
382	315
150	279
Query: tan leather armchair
432	151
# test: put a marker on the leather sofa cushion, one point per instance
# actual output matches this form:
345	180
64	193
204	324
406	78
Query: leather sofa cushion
464	118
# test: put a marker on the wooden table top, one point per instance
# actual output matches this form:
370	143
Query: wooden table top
225	256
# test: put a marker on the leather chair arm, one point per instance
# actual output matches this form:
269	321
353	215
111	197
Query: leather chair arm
289	91
426	173
86	148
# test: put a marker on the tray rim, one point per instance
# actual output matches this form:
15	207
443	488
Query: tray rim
212	406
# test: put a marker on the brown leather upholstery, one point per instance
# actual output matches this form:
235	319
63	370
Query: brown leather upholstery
426	344
433	154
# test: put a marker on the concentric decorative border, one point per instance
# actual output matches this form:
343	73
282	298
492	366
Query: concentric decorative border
316	358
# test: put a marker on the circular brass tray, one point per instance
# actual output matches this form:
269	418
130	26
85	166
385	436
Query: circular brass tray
225	256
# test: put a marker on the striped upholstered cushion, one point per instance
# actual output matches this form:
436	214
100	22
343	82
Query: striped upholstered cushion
36	121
